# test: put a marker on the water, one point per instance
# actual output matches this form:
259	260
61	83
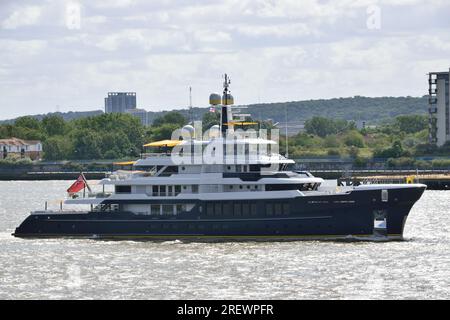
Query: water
88	269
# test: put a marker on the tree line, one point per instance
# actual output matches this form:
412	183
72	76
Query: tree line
120	136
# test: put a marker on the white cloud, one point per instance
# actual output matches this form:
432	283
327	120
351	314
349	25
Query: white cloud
23	16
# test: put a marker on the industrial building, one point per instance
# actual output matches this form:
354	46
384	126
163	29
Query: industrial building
439	107
119	102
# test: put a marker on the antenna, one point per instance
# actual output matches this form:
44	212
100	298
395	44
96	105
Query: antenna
287	139
190	104
226	114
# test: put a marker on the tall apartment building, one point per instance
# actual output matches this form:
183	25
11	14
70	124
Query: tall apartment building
439	107
120	101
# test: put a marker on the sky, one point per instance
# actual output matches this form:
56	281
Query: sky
58	55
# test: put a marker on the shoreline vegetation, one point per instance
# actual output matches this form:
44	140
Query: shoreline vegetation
400	142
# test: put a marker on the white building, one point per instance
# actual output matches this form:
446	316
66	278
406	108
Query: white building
439	106
23	148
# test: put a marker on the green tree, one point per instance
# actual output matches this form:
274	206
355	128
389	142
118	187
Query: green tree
331	141
28	122
57	148
395	151
87	144
411	123
54	125
354	138
161	132
320	126
171	117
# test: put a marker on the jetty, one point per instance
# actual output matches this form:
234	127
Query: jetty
436	181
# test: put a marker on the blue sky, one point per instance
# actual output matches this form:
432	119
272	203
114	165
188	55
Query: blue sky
66	55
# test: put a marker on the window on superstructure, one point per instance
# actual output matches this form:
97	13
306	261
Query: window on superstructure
169	171
227	208
155	191
286	209
123	189
167	209
155	209
162	191
246	209
218	209
278	209
210	209
177	190
237	210
253	211
269	209
194	188
169	190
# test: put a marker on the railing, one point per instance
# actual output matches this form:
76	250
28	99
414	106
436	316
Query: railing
85	195
154	154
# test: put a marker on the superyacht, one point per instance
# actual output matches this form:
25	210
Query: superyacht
228	184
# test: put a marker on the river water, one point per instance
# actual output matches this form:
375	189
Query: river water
418	268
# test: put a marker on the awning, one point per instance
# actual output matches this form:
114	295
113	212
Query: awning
125	163
163	143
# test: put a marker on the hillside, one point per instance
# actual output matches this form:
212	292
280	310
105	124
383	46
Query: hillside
371	110
71	115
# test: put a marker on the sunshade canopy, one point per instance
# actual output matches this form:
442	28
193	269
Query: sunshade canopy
163	143
124	163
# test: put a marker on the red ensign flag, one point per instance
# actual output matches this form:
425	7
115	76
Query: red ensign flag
77	185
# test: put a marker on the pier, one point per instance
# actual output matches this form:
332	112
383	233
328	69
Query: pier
434	181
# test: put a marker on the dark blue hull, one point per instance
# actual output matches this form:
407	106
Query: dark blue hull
356	215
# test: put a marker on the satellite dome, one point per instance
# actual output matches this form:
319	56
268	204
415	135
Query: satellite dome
227	99
214	99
